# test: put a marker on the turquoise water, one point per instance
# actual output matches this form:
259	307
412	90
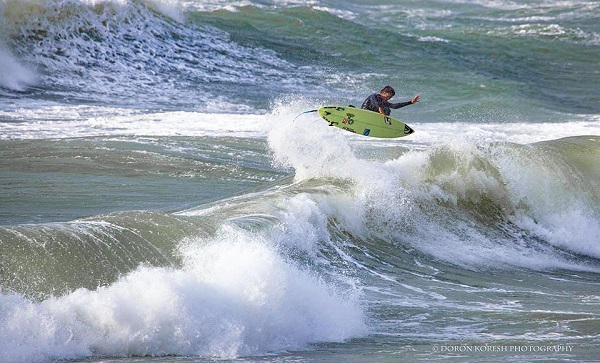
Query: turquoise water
159	200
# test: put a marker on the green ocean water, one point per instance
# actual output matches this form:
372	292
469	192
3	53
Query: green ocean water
161	200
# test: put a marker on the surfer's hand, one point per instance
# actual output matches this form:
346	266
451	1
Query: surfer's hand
416	99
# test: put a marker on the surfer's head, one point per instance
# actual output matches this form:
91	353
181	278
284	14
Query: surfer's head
387	92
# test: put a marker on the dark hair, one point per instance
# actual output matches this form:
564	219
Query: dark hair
388	89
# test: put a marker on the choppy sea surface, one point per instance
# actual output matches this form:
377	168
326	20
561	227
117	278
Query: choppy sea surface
159	199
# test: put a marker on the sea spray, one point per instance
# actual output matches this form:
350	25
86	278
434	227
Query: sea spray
465	191
14	75
235	296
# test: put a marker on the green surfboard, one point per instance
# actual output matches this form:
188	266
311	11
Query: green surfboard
364	122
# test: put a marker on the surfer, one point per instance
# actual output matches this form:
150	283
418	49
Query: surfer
378	102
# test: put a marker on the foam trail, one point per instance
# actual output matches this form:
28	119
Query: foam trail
82	121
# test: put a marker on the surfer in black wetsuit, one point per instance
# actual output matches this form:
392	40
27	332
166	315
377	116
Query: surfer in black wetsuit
378	102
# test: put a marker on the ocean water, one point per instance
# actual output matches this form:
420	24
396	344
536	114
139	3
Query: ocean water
160	201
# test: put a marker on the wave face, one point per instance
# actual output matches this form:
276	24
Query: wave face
161	197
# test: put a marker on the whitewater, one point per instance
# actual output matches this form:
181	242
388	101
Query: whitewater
163	196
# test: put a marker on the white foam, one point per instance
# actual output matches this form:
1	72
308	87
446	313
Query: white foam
170	8
235	296
573	228
213	5
518	132
13	74
59	121
432	39
420	196
121	50
551	197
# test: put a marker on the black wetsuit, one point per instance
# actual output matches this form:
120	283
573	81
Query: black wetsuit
374	101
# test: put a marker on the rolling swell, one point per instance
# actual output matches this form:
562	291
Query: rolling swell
245	287
43	260
136	53
95	51
493	202
508	56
